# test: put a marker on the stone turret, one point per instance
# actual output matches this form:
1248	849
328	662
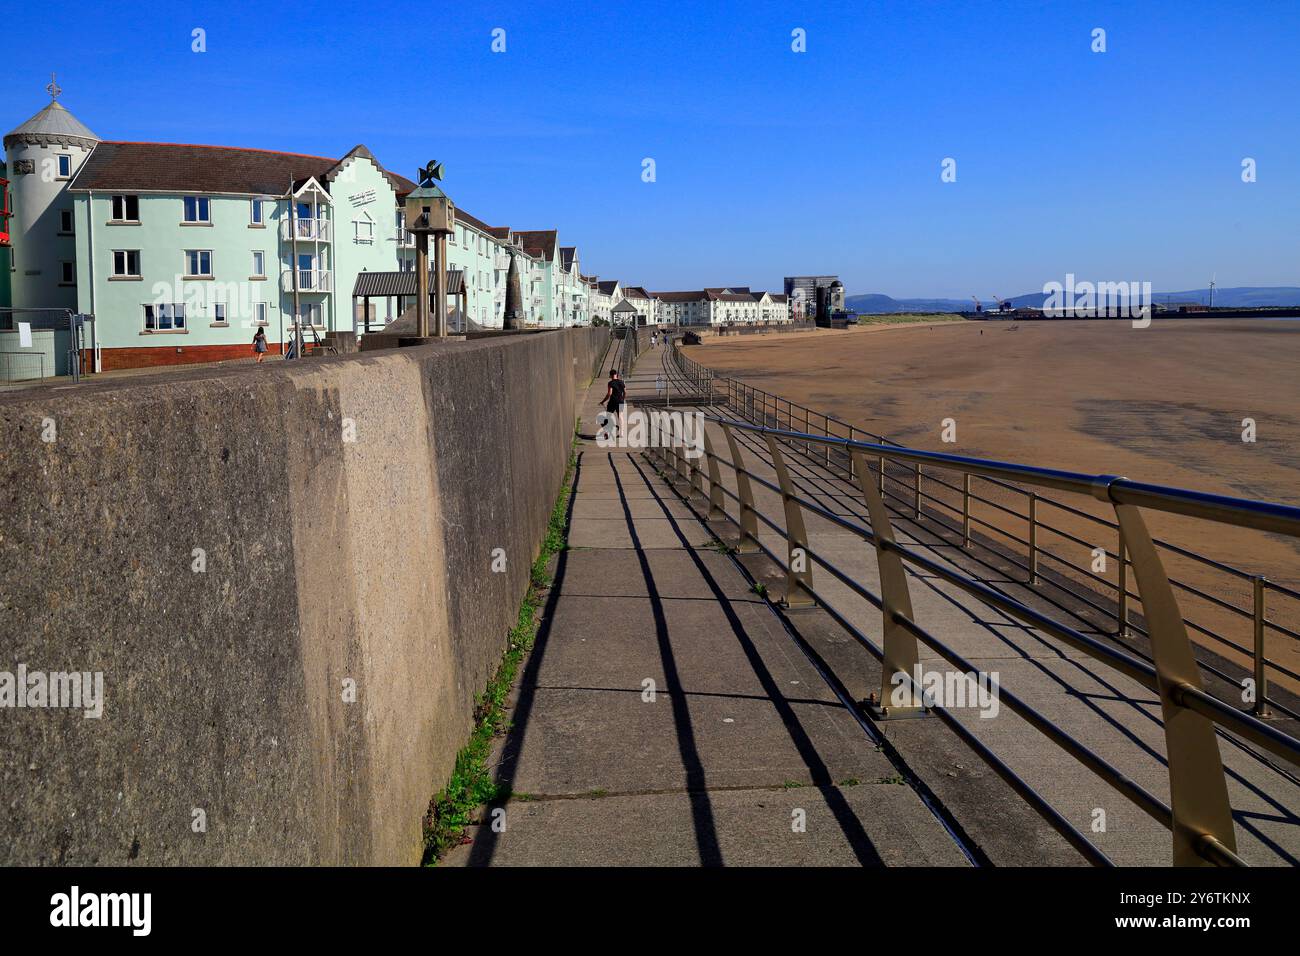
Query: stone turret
43	155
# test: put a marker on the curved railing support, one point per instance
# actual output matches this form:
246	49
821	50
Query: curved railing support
748	543
900	653
798	566
1198	791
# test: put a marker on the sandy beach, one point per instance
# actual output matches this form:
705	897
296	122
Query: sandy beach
1163	404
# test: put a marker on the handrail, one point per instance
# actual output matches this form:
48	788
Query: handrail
1200	815
1242	512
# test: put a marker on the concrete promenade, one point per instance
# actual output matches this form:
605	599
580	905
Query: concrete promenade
666	717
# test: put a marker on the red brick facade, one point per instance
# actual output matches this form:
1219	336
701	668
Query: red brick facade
160	355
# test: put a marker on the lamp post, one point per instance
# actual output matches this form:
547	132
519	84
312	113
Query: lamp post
429	211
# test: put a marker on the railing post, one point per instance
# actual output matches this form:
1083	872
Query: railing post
1260	708
717	504
1121	552
697	476
965	510
1033	537
900	653
916	492
748	543
882	469
1197	788
853	464
798	566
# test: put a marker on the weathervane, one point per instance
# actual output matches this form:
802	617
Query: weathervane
53	89
433	171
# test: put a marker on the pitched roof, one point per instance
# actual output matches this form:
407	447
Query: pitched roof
178	167
567	255
679	296
608	286
401	185
635	292
539	242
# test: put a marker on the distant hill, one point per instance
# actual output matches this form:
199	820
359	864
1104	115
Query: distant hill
1243	297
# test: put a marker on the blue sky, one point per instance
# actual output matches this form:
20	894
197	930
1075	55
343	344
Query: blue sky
1123	165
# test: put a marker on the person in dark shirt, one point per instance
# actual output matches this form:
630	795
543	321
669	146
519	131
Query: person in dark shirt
614	401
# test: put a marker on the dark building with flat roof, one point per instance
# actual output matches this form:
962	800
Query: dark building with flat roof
814	296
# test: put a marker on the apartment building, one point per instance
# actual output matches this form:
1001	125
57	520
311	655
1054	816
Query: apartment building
180	251
721	306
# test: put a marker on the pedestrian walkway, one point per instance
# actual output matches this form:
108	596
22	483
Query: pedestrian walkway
666	717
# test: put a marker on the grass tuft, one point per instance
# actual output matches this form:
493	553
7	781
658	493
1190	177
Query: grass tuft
471	785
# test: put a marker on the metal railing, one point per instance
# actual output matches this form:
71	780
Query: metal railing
309	280
22	366
909	488
307	230
1199	815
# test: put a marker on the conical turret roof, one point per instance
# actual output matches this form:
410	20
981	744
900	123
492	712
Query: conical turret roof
53	125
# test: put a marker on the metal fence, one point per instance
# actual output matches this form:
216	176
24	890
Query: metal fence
1199	815
23	366
1019	524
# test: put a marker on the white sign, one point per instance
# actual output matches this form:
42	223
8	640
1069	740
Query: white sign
360	199
24	335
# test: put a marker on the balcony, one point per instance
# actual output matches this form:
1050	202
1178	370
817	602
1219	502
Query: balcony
305	230
309	280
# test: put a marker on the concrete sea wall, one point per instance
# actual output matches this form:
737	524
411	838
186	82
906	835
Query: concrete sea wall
284	575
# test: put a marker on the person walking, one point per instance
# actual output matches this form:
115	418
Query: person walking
614	402
259	344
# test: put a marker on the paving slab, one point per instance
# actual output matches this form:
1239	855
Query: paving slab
868	824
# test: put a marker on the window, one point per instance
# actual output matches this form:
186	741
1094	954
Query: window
259	265
255	213
198	262
67	273
197	210
65	165
309	313
126	209
364	229
219	313
126	263
259	313
165	317
65	221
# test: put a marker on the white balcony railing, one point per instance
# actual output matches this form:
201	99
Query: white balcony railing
305	230
309	280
